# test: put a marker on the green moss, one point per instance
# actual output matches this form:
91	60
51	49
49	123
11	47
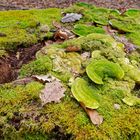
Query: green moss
35	136
125	25
83	30
16	37
40	66
71	118
135	38
21	113
22	27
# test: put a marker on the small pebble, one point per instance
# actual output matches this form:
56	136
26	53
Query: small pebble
117	106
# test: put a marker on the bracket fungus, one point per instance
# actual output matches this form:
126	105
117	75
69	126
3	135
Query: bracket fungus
86	94
97	70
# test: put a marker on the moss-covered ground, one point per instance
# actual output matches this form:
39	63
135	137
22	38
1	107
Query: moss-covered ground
24	27
21	113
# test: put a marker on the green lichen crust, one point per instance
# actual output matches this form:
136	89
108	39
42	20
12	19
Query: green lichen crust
86	94
98	70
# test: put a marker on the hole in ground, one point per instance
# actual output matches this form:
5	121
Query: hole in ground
10	65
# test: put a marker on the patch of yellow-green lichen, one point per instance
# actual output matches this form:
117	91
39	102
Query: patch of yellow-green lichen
135	38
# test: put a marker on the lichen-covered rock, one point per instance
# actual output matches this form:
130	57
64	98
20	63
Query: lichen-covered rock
63	65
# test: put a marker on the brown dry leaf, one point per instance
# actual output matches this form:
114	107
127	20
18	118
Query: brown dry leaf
59	34
72	49
64	34
52	92
94	116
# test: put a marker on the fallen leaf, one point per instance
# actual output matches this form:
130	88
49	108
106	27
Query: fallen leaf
72	49
52	92
60	34
71	17
94	116
44	78
64	34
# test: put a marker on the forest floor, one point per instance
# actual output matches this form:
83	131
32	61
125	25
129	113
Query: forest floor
27	4
69	81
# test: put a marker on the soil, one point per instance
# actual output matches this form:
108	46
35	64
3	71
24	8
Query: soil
29	4
10	65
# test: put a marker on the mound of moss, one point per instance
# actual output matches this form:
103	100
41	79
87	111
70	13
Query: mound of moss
71	118
23	27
